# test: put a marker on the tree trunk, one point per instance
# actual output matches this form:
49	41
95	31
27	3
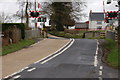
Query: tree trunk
27	16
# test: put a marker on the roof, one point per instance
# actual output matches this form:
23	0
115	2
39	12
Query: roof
97	16
81	25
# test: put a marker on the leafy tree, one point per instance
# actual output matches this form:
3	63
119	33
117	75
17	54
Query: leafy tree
63	13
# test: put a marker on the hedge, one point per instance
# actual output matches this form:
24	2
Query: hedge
21	26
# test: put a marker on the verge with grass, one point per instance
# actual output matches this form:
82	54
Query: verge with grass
66	35
17	46
78	34
112	57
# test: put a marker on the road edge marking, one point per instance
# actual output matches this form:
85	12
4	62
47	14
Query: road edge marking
29	70
58	53
95	57
36	61
52	53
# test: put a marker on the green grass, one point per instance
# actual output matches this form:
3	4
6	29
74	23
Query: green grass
66	35
17	46
78	35
113	57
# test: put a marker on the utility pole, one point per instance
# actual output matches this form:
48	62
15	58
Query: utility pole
119	26
35	18
22	16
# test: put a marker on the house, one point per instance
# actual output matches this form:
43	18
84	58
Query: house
82	25
96	20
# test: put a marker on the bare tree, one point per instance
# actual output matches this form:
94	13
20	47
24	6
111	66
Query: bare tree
5	18
22	13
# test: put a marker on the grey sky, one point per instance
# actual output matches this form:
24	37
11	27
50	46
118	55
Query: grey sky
10	6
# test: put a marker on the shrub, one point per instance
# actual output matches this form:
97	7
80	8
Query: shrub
21	26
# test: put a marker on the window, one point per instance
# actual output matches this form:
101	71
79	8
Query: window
99	22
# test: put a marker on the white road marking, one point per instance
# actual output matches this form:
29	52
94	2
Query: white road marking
96	61
31	69
95	58
16	72
15	77
58	53
36	61
100	78
101	67
52	54
100	72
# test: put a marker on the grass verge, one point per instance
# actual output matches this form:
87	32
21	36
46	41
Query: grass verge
17	46
78	34
112	57
67	35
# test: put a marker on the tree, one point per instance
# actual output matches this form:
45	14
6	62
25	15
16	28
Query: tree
22	13
63	13
5	18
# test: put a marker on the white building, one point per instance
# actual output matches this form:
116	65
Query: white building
96	21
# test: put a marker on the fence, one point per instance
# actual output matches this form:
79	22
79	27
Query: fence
29	34
111	35
92	34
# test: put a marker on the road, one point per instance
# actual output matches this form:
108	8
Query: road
79	59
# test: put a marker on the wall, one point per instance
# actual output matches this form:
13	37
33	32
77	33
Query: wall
94	25
29	34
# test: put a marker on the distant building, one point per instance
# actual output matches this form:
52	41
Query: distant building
96	20
82	25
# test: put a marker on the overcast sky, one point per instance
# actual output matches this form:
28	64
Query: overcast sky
10	6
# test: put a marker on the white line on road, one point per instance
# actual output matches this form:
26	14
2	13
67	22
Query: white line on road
58	53
53	53
100	72
15	77
95	58
100	78
29	70
36	61
96	61
101	67
16	72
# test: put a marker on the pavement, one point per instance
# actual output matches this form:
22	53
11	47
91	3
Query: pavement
17	60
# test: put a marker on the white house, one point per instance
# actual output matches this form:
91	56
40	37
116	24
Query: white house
96	20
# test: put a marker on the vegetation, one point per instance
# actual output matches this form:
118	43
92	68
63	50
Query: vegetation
63	14
17	46
67	35
73	34
21	26
113	57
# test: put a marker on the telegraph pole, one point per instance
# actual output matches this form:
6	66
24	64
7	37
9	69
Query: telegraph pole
35	17
119	26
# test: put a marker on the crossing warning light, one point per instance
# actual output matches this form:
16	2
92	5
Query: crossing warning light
42	19
34	14
112	14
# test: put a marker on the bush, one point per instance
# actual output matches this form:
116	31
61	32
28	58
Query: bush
21	26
